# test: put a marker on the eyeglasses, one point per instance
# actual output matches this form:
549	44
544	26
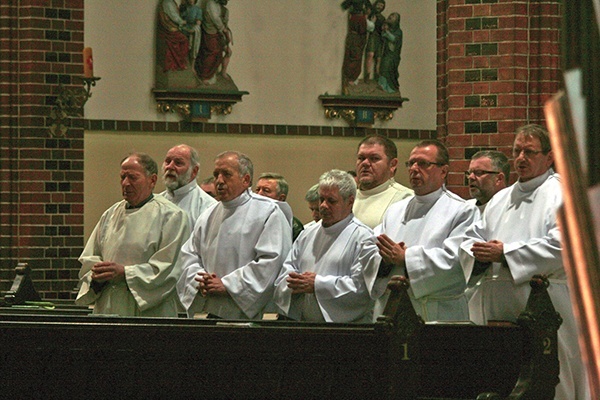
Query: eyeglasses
527	152
421	164
479	172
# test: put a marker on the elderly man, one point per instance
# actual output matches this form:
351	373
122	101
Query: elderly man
237	248
517	238
376	163
180	169
275	186
321	278
129	262
312	198
488	173
420	238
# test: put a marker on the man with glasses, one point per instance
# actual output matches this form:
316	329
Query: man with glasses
419	238
518	237
376	163
488	173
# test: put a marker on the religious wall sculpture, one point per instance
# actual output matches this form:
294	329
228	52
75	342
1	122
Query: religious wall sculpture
193	49
370	78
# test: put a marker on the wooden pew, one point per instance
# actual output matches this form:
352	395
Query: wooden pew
22	288
460	361
399	357
23	298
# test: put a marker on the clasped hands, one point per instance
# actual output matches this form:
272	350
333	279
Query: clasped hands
390	251
210	284
492	251
105	271
395	253
301	283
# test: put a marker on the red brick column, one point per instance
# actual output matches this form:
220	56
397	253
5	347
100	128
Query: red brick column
41	177
498	62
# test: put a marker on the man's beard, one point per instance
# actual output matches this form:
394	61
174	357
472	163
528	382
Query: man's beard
474	192
180	181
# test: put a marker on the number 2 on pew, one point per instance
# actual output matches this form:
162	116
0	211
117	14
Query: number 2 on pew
547	345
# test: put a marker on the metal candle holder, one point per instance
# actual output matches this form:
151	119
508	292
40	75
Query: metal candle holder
70	103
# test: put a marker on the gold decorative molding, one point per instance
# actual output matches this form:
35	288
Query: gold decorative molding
180	108
361	110
196	104
347	114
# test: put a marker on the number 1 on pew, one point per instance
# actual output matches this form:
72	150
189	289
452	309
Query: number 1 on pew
405	356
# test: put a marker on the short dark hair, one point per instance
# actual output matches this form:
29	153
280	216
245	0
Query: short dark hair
443	156
498	159
389	147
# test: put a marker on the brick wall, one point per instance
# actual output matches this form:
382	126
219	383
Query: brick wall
498	62
41	177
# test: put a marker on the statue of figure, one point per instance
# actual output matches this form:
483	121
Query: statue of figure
390	57
173	47
215	47
191	12
375	42
356	39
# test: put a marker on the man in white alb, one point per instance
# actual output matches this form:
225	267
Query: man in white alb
129	262
180	169
237	247
419	238
321	279
376	163
517	238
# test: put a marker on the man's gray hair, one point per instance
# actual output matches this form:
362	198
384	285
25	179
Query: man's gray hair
194	156
282	185
312	194
340	179
244	163
498	159
147	162
537	131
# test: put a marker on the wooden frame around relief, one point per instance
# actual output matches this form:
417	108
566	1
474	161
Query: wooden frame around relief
580	246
